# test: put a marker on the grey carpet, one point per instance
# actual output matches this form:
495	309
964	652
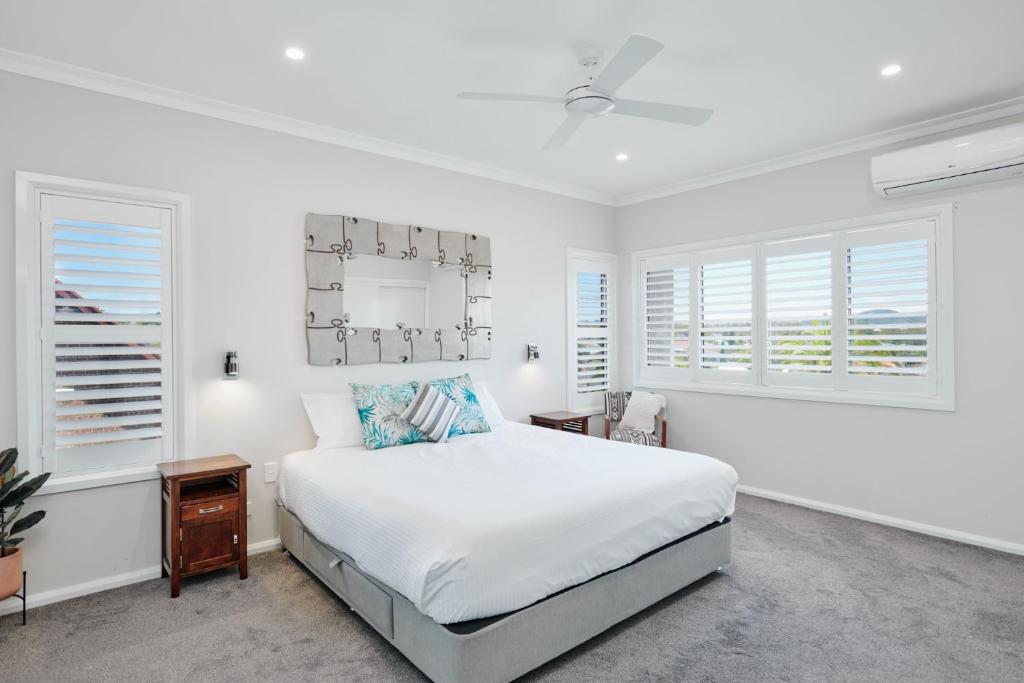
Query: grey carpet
809	597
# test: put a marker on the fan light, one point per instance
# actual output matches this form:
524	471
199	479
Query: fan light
621	156
295	53
892	70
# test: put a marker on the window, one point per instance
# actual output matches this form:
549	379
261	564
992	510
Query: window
798	311
591	327
856	311
97	311
726	311
667	314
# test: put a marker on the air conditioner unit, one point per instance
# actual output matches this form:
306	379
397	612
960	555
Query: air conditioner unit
978	157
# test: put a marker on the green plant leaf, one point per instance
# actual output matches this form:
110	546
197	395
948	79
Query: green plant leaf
9	486
8	459
28	521
19	494
9	518
11	542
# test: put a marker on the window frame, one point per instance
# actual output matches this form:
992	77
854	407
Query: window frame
29	188
608	263
661	263
842	391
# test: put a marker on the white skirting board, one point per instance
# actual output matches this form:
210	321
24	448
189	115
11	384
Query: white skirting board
79	589
927	529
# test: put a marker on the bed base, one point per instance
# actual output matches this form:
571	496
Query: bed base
502	648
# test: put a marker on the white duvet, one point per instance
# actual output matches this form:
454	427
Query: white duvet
489	523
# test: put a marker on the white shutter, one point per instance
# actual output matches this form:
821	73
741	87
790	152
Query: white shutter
666	315
890	308
798	311
592	332
106	333
858	311
726	308
591	358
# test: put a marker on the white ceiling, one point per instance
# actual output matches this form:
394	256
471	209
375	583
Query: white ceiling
783	76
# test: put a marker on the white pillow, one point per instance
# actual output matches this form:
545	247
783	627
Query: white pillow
640	411
490	407
335	420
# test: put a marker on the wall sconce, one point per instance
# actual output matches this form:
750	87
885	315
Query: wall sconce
231	365
532	353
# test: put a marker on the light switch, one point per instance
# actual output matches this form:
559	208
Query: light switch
269	472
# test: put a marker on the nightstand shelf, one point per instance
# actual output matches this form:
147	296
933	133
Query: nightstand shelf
563	421
203	521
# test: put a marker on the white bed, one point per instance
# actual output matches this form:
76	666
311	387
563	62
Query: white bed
490	523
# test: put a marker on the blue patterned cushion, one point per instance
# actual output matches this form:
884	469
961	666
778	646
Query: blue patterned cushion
471	418
380	409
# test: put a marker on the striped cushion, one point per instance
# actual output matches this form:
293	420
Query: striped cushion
615	404
432	413
634	436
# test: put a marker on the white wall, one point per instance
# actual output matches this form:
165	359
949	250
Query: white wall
250	191
961	471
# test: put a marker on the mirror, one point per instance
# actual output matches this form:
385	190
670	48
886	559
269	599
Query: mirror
388	293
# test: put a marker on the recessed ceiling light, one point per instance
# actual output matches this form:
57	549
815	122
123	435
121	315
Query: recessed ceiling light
295	53
621	156
891	70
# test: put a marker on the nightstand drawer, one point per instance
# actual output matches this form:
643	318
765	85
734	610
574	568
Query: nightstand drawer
210	509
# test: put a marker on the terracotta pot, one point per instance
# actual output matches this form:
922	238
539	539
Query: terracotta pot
10	573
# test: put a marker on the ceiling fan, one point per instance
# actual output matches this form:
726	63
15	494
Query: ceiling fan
597	97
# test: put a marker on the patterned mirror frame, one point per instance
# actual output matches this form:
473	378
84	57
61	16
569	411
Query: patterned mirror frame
332	240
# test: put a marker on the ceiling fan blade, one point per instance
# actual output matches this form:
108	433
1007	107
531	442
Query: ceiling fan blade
630	58
564	132
674	113
509	97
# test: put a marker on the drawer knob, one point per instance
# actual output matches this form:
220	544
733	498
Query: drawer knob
216	508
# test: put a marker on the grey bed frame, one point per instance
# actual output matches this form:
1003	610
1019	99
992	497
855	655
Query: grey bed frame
502	648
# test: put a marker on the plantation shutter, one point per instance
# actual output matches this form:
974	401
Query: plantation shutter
861	312
890	307
798	311
591	330
726	309
666	313
106	333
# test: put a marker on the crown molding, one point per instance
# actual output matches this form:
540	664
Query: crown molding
98	81
941	124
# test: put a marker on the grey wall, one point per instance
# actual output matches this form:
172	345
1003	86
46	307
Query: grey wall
250	192
960	471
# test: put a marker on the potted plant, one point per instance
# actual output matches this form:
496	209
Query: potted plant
14	491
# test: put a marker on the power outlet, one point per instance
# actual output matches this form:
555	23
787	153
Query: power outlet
269	472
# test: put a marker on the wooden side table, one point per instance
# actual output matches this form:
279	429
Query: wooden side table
563	421
203	517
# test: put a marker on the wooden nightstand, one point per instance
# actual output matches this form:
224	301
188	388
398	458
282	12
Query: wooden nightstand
563	421
203	517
